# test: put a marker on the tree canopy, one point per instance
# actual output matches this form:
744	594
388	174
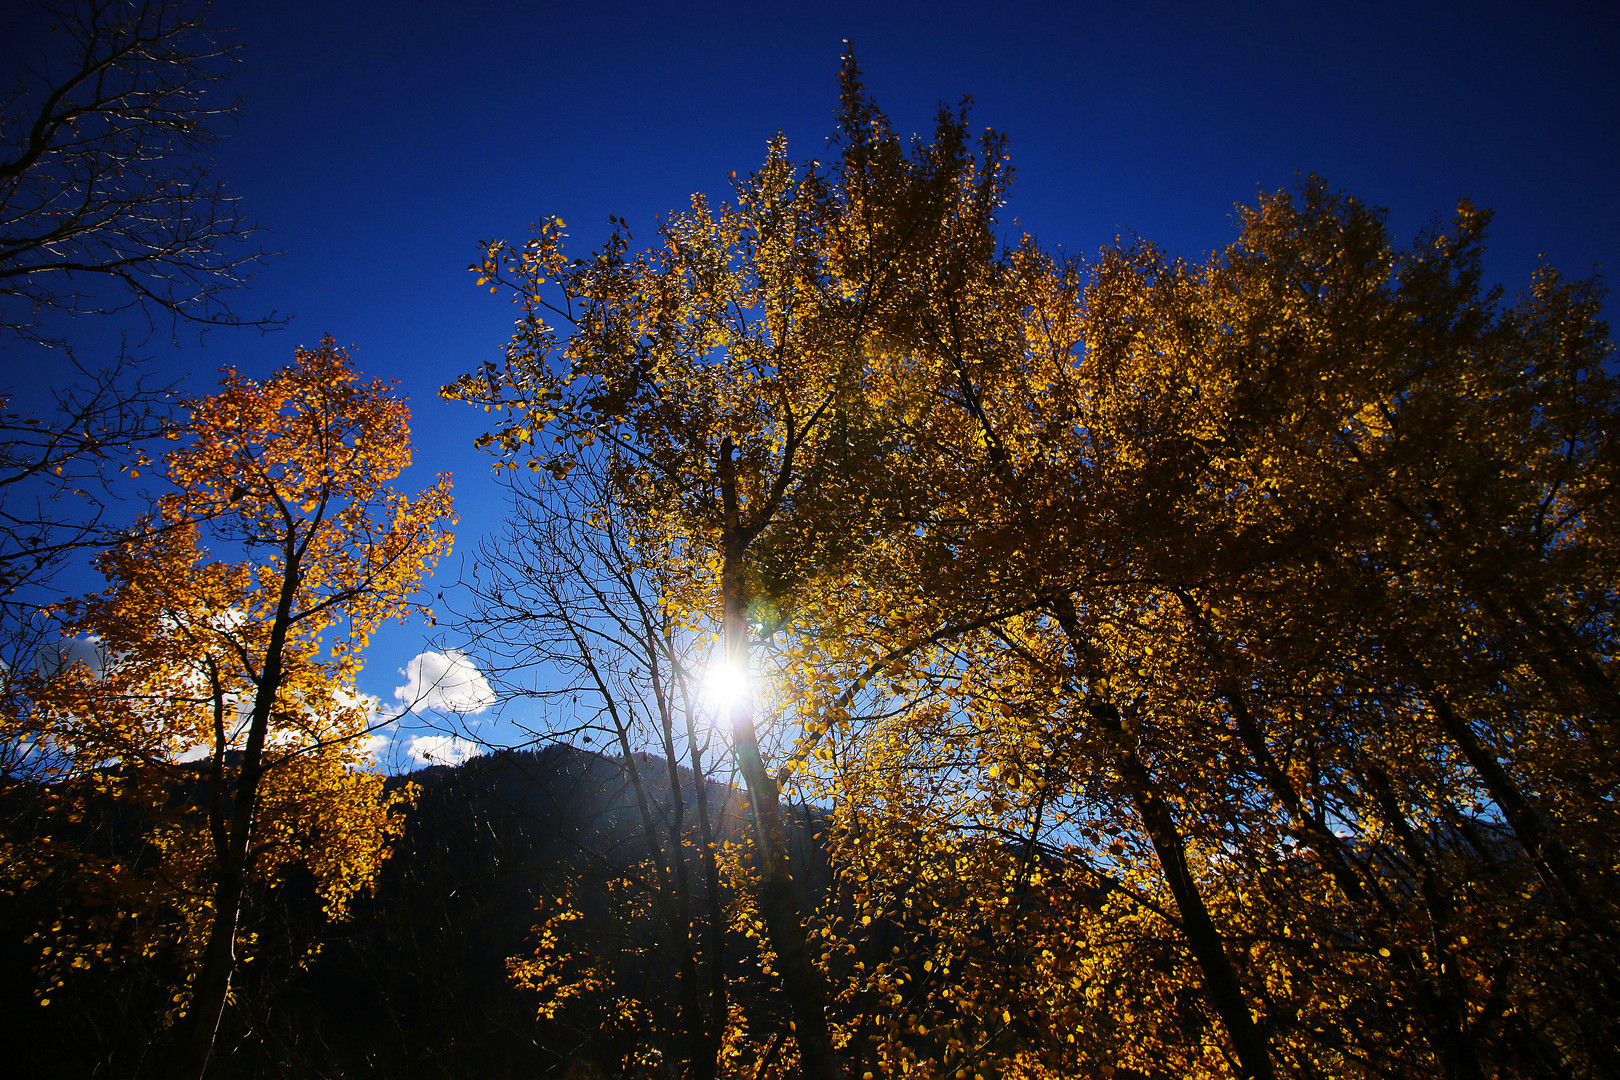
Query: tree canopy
1209	667
1137	666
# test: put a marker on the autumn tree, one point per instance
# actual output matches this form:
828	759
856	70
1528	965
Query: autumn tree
222	715
729	368
1209	666
1266	509
1466	452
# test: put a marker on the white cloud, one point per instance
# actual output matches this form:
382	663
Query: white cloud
375	744
442	749
58	656
445	681
372	746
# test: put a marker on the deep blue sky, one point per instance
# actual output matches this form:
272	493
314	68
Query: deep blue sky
382	141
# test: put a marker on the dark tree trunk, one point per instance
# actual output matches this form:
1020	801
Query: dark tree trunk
196	1033
778	901
1221	983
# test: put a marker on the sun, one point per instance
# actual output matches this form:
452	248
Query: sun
725	686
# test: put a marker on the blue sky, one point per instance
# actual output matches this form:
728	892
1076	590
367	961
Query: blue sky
382	142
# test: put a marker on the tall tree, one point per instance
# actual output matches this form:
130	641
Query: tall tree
576	612
1240	521
1239	636
1303	500
729	367
223	711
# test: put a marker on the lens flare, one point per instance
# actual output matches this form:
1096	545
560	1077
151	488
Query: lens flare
724	686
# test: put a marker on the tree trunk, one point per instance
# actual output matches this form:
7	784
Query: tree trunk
195	1034
1221	983
1446	999
778	902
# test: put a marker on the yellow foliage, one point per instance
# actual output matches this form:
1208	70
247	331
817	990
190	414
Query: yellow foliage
1201	663
221	722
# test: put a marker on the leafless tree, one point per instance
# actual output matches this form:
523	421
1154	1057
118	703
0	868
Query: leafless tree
107	201
106	204
567	620
54	473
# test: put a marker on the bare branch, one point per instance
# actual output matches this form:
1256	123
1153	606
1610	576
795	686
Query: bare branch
106	197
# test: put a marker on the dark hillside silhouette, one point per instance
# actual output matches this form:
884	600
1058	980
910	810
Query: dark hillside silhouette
414	983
